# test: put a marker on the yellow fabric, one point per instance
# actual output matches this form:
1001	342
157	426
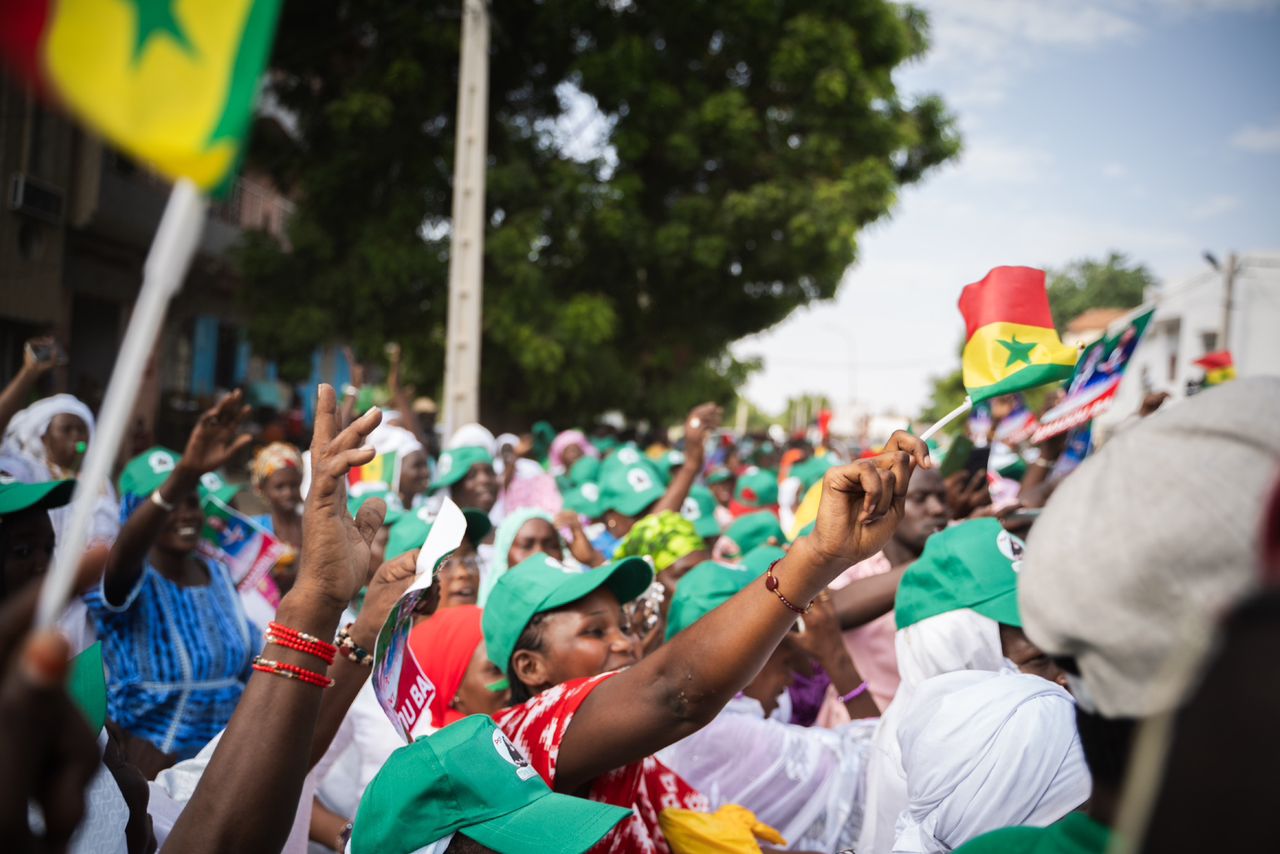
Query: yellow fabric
997	351
732	829
807	511
1217	376
160	99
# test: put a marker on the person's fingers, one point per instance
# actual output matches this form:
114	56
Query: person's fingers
369	518
337	465
243	441
901	464
357	431
325	420
901	440
888	492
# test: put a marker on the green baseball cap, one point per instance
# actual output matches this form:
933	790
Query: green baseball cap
540	583
16	497
584	470
971	565
362	492
762	557
469	778
664	538
757	488
703	589
810	471
604	444
629	483
453	465
410	531
755	529
719	474
213	488
584	499
700	509
147	472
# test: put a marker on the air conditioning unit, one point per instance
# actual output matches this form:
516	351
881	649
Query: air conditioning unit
35	198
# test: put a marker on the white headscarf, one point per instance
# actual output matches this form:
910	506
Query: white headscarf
473	436
944	643
985	751
25	434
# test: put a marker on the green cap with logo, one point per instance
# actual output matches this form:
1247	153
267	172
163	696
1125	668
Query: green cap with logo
16	497
809	471
703	589
971	565
147	472
629	483
359	493
719	474
469	778
540	583
664	538
454	464
756	529
584	499
584	470
757	487
410	530
214	490
700	509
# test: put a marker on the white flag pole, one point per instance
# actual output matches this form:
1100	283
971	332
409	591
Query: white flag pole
167	262
948	418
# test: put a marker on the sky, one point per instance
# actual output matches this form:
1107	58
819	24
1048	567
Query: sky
1149	127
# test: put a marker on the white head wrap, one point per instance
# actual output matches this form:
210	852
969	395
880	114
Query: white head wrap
473	436
944	643
25	434
984	751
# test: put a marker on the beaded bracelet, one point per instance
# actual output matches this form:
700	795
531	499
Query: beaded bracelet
291	671
771	584
322	649
352	650
300	646
856	692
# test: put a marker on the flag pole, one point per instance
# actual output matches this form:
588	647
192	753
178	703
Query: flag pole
948	418
175	244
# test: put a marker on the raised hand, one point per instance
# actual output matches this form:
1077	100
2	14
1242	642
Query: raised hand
335	547
216	437
862	503
385	589
40	355
703	420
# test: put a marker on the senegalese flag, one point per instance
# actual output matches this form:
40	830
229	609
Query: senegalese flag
171	82
1010	342
1218	367
381	470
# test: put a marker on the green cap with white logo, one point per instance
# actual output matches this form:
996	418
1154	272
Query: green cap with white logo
755	529
359	493
540	583
453	465
147	472
700	509
215	491
584	500
629	482
756	488
584	470
703	589
469	778
971	565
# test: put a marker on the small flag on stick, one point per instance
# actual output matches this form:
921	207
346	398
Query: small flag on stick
1218	367
1010	342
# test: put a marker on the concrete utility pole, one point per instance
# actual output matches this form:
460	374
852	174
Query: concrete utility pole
1228	295
466	252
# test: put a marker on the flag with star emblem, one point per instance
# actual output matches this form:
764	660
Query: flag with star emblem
171	82
1010	343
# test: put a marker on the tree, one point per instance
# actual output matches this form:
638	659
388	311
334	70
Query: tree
1114	282
742	147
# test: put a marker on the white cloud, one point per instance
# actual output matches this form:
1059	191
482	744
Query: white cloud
1214	207
1262	139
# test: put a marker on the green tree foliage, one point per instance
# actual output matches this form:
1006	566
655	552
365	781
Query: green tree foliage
1114	282
743	146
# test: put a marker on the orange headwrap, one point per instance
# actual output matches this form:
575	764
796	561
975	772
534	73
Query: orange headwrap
444	644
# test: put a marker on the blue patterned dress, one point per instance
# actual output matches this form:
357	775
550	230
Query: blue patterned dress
177	657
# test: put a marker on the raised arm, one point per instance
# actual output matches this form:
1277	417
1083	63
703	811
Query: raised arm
248	795
214	440
701	423
685	683
39	356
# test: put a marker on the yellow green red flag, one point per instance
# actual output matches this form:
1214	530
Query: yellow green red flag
1010	342
171	82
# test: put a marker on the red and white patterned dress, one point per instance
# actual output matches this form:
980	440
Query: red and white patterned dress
646	787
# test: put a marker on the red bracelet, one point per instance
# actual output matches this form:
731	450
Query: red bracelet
771	584
302	637
301	646
291	671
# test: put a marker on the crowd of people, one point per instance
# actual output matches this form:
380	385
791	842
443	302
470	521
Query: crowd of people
682	640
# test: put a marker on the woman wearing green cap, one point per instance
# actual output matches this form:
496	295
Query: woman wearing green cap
175	637
595	715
